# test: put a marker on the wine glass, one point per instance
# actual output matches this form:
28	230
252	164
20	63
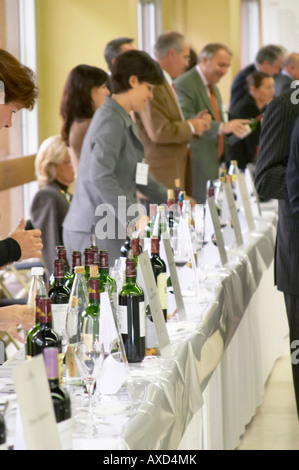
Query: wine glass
89	355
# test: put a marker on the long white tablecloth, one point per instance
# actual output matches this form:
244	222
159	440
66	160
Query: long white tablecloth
206	389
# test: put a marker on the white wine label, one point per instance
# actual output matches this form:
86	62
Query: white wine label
162	289
142	318
59	313
122	319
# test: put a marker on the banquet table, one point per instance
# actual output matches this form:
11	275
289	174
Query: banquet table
205	388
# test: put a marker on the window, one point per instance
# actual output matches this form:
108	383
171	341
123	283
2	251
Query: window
149	23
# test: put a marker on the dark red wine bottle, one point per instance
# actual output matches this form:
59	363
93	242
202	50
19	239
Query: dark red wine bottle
131	315
46	337
60	399
160	273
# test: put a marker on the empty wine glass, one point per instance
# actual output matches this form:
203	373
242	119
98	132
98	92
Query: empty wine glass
89	355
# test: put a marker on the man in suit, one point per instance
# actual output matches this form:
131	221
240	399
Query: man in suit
164	132
289	73
270	182
269	59
197	91
116	47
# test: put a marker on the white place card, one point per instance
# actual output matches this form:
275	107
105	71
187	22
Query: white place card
233	213
250	176
115	369
153	300
246	201
171	267
35	404
217	229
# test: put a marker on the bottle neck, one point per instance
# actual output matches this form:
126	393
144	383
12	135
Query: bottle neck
130	279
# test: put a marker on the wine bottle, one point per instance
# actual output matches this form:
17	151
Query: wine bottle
3	445
88	260
107	283
76	261
170	211
60	399
59	295
46	336
135	249
37	289
233	171
77	305
60	254
160	274
93	308
131	315
181	198
177	189
152	215
35	328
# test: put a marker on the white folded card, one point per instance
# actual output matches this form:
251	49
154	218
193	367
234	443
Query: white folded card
35	404
246	201
154	300
171	267
217	228
233	213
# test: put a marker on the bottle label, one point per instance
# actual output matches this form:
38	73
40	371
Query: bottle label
70	362
142	315
122	319
65	434
74	301
162	289
59	313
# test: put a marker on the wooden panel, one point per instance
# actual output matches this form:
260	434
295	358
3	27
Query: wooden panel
16	171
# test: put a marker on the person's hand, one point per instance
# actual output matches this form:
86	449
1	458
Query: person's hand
235	126
141	224
201	124
14	315
29	240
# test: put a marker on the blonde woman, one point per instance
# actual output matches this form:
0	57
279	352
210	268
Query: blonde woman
50	205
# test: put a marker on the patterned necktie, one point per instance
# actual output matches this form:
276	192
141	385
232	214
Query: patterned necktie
216	110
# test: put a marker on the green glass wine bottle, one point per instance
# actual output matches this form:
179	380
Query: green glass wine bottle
131	315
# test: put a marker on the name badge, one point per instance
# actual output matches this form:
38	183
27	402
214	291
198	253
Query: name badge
142	174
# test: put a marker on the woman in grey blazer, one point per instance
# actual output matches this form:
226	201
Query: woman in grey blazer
104	198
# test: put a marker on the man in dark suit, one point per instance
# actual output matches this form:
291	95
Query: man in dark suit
289	73
270	182
269	59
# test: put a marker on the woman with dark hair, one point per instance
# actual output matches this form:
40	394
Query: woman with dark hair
252	105
84	91
106	186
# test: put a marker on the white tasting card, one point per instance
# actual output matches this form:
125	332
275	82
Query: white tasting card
250	180
233	213
115	368
142	174
35	403
169	259
246	201
153	299
217	229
